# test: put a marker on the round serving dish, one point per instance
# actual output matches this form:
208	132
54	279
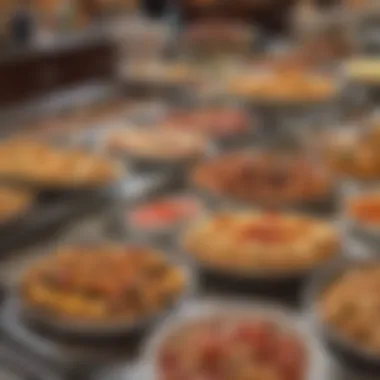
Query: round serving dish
140	158
217	181
206	309
42	167
274	277
351	356
82	327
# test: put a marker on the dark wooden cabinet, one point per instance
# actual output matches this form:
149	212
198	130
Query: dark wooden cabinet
30	74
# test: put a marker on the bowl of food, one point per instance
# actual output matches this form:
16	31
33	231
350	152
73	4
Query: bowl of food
42	166
260	248
343	302
224	339
363	215
225	126
159	220
267	178
152	148
101	290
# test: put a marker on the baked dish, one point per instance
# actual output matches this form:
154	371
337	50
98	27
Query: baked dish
38	163
213	122
238	348
164	213
13	202
254	243
365	209
156	144
284	86
267	178
354	155
351	304
102	284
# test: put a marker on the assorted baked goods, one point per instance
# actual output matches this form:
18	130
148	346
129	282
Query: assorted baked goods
31	161
252	243
350	306
284	86
156	144
13	202
213	122
103	283
233	347
277	179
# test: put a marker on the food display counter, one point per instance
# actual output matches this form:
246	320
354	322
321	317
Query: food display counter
210	215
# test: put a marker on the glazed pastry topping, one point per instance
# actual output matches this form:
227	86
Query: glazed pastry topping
104	283
247	242
238	349
351	306
264	178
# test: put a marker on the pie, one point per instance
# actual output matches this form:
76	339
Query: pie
232	348
284	86
249	242
156	144
102	283
351	304
36	162
264	177
212	122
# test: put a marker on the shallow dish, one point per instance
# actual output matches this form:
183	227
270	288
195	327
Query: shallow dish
68	315
207	309
41	166
146	149
344	350
264	178
280	251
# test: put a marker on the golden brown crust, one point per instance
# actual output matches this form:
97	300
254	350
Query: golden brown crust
39	163
156	144
351	306
264	178
105	283
254	242
284	86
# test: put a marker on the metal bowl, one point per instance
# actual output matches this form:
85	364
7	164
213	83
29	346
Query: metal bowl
41	319
209	308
